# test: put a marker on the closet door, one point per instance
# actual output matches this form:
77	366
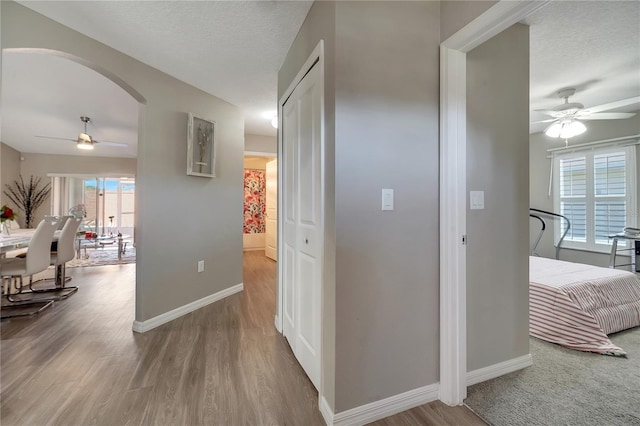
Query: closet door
302	221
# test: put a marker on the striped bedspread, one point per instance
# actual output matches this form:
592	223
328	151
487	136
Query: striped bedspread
577	305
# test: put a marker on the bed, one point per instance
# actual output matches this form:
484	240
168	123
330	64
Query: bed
577	305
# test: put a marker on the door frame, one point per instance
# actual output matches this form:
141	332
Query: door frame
453	187
267	187
317	55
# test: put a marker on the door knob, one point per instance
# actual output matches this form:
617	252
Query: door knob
306	241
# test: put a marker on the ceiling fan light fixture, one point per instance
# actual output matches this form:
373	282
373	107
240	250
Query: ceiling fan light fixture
565	129
84	145
84	142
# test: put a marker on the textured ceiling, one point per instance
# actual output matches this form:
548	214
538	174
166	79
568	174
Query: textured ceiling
233	50
592	46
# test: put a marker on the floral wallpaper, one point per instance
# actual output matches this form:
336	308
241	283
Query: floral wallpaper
254	201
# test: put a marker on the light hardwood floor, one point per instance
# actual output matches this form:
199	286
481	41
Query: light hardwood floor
79	363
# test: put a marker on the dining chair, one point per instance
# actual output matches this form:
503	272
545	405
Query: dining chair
64	252
12	271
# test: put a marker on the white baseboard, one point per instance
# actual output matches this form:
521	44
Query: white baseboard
326	411
144	326
395	404
380	409
500	369
277	324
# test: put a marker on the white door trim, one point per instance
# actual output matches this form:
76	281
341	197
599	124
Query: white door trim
271	186
453	309
317	55
453	188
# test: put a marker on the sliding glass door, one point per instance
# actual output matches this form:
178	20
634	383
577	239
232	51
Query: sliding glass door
117	210
108	202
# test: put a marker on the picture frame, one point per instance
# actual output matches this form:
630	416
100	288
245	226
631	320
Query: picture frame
201	147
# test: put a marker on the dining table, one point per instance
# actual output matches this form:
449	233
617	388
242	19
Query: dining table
18	239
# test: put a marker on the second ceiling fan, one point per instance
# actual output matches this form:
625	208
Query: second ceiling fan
84	140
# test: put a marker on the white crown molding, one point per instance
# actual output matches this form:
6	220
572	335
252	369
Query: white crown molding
144	326
496	370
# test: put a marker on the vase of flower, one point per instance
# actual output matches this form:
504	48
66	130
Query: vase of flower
6	216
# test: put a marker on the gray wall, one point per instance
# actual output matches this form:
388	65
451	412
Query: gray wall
385	135
261	143
498	163
539	182
387	281
320	25
209	226
9	172
455	14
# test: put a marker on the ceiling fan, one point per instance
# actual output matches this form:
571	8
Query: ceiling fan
566	118
84	140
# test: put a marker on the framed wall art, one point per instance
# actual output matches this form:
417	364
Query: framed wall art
201	147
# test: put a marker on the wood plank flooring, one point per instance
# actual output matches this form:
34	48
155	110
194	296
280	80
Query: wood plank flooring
79	363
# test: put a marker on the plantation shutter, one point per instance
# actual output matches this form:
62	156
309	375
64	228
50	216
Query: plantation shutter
573	196
609	172
596	191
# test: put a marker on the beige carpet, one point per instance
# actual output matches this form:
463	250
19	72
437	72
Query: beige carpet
103	256
566	387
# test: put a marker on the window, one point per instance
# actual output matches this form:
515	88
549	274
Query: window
596	190
109	203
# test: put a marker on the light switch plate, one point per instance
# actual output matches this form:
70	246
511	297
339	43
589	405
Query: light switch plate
476	200
387	199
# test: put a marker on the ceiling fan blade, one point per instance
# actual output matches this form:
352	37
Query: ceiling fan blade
119	144
551	113
543	121
614	105
51	137
545	111
607	116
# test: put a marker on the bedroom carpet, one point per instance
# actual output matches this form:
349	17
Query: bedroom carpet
566	387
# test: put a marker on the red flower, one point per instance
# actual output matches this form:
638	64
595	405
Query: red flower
7	213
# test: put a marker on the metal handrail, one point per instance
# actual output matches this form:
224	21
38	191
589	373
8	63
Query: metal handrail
542	228
558	247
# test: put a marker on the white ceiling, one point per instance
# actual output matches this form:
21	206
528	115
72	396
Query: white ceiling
44	95
592	46
233	50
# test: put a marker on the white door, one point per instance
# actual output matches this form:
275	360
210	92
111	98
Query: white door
271	204
302	221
